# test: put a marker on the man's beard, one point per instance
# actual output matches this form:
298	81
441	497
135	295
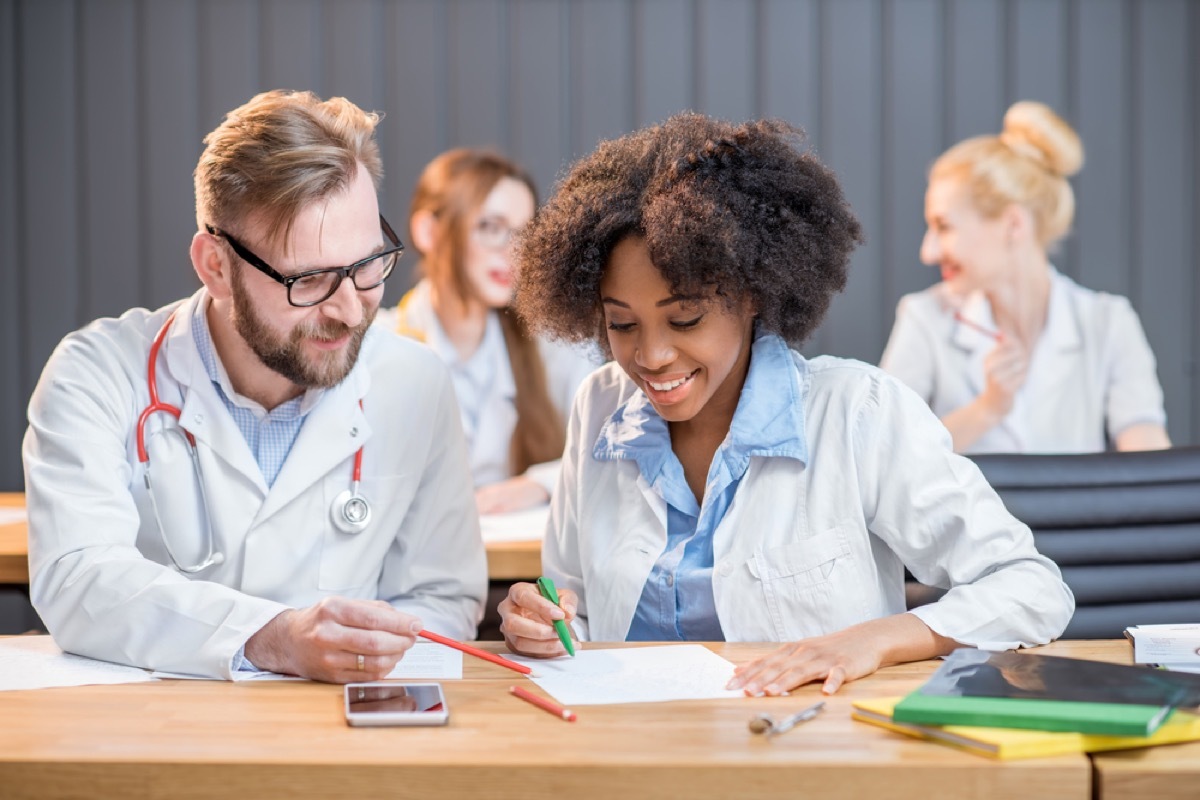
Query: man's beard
286	356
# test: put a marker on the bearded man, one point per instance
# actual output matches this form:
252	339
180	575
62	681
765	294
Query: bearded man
256	478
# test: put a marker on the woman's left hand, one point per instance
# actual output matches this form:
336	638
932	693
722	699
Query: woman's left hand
513	494
834	659
839	657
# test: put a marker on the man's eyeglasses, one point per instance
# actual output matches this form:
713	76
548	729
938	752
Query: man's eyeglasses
318	285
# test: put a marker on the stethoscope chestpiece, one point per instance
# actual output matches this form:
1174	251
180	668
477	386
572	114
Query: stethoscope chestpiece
350	512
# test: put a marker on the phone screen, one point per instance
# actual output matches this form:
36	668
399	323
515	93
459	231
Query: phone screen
396	703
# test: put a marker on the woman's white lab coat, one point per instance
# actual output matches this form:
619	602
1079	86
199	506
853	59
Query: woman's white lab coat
99	575
489	443
1091	375
808	549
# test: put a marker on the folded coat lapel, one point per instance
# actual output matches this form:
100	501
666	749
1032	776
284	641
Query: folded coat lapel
202	413
331	434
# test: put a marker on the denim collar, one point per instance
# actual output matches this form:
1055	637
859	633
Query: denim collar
768	421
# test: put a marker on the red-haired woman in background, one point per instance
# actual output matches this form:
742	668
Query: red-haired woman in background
514	391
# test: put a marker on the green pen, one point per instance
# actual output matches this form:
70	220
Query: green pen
546	587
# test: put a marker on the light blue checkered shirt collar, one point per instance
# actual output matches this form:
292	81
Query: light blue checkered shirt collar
768	421
269	434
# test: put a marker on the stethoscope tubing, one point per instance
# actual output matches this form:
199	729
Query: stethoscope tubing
342	520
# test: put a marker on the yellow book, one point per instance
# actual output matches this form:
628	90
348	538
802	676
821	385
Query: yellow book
1009	743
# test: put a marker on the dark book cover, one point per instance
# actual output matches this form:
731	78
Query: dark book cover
1024	690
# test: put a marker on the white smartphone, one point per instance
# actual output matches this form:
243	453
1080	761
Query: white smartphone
392	703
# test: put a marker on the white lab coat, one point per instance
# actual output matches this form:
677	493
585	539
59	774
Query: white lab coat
99	575
489	439
1091	374
805	550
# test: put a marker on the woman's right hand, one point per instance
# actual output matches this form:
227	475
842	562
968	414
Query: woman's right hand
527	620
1005	370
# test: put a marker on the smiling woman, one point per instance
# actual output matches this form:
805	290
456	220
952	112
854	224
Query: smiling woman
1011	354
718	485
514	390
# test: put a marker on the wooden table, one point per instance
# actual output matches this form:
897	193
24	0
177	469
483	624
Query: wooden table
14	543
1161	773
210	739
507	561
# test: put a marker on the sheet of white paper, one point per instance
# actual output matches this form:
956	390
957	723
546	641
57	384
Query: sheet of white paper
36	662
634	675
528	525
426	660
238	677
11	516
429	661
1163	644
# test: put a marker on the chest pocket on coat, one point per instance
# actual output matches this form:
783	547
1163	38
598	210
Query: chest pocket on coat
801	587
352	562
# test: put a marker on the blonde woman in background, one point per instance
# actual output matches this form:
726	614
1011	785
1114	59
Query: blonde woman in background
514	391
1012	355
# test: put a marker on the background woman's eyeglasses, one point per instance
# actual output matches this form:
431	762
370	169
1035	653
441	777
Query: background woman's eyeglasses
494	233
318	285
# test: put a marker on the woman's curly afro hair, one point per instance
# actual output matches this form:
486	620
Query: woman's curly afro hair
739	211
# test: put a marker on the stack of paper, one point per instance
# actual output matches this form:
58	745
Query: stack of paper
528	525
1173	647
36	662
634	675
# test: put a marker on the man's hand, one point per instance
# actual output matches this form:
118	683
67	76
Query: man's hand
323	642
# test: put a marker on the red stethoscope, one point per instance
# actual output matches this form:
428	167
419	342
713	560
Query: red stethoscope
350	512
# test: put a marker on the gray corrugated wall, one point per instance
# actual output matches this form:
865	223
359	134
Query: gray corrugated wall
103	104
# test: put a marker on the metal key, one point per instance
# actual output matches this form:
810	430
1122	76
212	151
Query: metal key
764	723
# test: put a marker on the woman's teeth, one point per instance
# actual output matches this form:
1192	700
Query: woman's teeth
666	387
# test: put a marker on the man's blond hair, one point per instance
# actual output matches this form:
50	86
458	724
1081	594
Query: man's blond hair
277	154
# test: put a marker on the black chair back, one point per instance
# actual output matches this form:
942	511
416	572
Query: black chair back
1123	527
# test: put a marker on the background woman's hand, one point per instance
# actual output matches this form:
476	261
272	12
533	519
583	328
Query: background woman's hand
527	620
513	494
1005	369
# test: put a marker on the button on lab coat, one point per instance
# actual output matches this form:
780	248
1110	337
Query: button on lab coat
809	549
99	575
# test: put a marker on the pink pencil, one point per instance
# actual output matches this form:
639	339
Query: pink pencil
474	651
991	334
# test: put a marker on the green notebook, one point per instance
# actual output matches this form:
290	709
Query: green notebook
1049	693
1111	719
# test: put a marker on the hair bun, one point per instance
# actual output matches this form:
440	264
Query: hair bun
1033	130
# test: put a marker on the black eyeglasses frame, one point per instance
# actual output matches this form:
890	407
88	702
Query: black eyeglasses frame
350	271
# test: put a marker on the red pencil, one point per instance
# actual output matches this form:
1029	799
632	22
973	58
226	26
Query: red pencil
543	703
474	651
991	334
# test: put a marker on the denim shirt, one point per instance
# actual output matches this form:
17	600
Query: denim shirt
677	600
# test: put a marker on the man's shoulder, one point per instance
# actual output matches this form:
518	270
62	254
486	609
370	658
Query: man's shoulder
389	353
126	336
